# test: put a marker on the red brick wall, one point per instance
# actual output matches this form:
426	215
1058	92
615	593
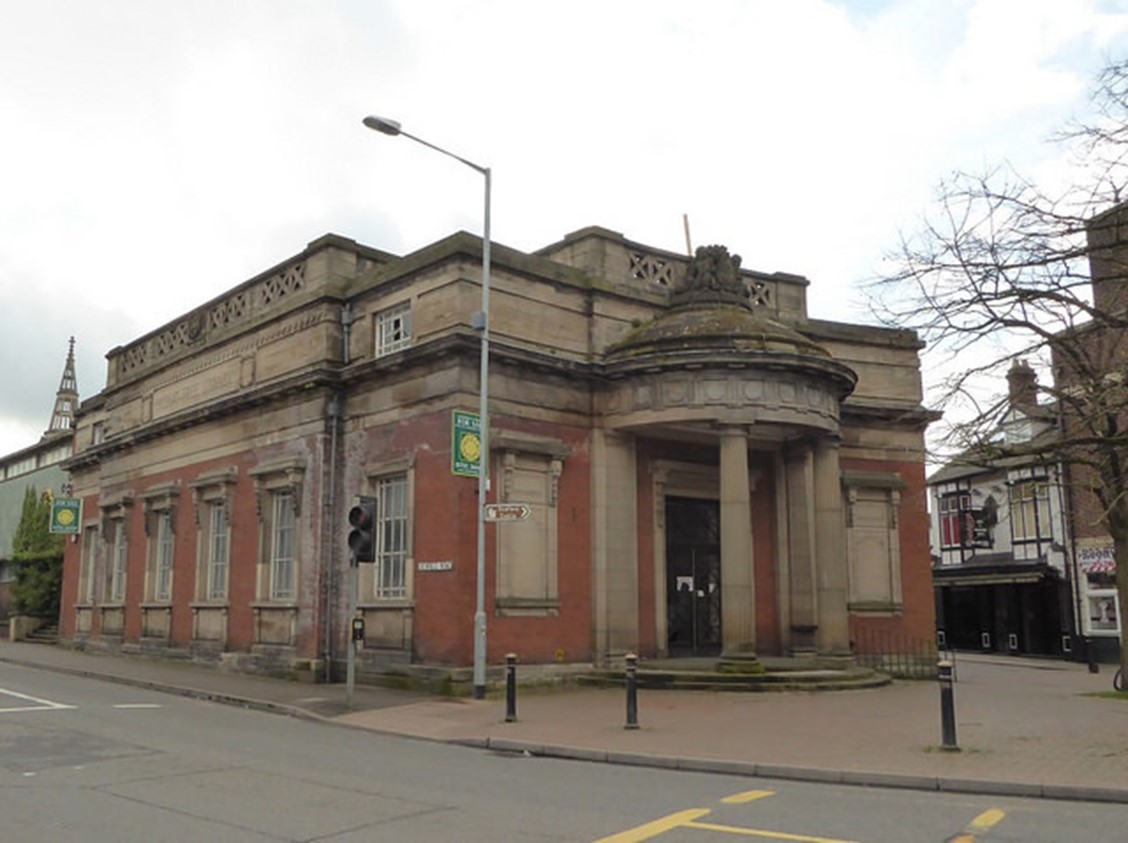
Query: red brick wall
917	622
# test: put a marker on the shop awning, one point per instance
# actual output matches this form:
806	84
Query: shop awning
996	574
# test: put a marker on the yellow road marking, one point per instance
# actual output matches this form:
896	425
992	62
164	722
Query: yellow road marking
653	829
747	796
756	832
985	821
688	819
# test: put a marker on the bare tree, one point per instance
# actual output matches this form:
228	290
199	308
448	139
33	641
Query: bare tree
1004	270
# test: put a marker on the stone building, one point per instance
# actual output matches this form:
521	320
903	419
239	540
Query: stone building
706	468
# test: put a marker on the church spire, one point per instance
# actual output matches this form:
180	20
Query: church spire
66	399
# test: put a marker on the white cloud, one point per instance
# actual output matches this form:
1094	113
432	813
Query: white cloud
157	153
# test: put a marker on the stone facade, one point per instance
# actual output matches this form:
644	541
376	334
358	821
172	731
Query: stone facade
707	469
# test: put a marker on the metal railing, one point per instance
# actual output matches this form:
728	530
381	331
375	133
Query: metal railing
898	655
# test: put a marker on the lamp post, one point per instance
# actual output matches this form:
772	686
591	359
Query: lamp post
482	321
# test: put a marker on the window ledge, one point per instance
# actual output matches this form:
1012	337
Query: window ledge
875	607
390	603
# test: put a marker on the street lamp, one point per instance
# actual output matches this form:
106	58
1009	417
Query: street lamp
481	320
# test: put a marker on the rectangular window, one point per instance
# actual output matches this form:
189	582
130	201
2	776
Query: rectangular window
873	549
391	537
86	570
282	546
956	520
217	551
1030	511
393	329
115	591
527	550
162	588
1102	613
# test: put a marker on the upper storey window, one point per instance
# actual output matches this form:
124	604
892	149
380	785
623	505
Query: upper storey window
393	329
1030	510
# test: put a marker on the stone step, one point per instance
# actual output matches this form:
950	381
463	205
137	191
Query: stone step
793	680
47	634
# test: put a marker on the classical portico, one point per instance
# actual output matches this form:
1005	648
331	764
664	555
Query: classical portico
713	376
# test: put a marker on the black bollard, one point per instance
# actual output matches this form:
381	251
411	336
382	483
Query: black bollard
1091	656
947	706
632	691
510	687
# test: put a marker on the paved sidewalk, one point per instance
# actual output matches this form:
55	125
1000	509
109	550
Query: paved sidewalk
1025	727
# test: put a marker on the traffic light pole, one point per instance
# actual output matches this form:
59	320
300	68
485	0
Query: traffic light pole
350	677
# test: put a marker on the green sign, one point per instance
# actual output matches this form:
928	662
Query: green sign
466	444
66	515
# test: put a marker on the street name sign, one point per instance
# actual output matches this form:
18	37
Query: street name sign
507	511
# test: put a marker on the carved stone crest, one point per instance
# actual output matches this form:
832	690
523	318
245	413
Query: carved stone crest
713	276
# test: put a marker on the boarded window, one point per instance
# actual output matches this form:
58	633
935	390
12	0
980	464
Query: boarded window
527	550
874	549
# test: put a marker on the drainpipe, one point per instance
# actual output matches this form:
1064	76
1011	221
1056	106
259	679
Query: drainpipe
333	414
333	417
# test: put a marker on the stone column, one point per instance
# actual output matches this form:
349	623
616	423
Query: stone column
833	636
738	595
801	547
614	557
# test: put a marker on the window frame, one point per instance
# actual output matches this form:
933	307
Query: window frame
954	519
87	565
393	329
278	484
392	530
119	564
283	532
218	551
213	497
1030	499
165	552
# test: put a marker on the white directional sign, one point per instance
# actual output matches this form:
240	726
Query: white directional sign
507	511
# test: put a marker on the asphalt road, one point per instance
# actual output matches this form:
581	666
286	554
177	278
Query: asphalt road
83	760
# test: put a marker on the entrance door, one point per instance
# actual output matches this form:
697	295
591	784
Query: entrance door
693	576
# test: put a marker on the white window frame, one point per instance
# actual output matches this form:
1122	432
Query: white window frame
1030	511
390	581
278	491
120	563
87	565
283	530
162	587
393	329
218	544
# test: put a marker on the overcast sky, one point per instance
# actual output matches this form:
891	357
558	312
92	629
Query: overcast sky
155	153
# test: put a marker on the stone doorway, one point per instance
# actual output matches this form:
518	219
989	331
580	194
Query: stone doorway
693	577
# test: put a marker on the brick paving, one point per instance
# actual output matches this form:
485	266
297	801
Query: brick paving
1024	726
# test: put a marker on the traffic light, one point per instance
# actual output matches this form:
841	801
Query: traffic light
362	537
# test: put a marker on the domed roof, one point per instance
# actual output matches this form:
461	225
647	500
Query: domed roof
702	327
711	315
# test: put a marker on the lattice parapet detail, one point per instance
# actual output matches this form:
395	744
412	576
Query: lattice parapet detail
651	268
195	327
760	293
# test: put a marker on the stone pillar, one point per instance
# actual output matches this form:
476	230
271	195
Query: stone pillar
738	595
802	590
833	636
615	619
